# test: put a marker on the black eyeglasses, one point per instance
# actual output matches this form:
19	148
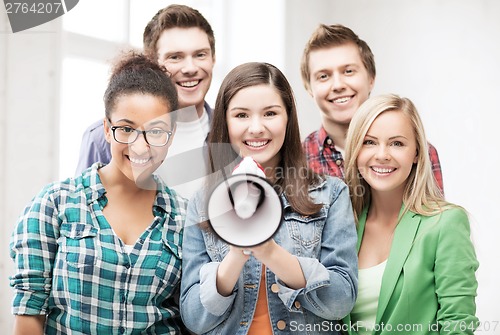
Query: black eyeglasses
155	137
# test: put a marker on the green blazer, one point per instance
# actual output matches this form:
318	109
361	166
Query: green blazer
429	283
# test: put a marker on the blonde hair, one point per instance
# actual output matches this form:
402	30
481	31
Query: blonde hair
421	194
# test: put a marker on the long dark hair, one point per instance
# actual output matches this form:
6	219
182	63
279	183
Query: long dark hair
293	177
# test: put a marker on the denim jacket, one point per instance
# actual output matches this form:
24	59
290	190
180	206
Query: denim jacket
325	246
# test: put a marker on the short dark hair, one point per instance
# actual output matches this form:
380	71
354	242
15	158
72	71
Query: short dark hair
326	36
174	16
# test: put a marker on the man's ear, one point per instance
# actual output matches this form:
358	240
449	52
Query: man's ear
372	84
107	130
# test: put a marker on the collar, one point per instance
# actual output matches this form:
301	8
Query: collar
325	141
95	191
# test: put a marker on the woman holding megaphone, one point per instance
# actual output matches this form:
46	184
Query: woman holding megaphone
302	278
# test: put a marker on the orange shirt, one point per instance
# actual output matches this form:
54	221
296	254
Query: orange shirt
261	324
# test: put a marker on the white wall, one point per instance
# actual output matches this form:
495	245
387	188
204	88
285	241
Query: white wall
28	131
443	54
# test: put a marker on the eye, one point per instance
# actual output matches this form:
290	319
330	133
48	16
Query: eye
241	116
270	113
126	130
398	144
173	58
322	76
157	132
349	71
368	142
202	54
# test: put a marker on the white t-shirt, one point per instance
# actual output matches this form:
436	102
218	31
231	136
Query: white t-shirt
185	167
365	309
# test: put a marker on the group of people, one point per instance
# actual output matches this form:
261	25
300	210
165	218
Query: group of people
367	242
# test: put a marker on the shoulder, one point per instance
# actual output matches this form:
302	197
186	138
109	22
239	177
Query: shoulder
449	224
312	137
65	191
94	133
328	187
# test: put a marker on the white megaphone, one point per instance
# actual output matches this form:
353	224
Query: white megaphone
244	209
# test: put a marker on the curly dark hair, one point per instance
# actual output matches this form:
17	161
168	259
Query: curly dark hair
136	73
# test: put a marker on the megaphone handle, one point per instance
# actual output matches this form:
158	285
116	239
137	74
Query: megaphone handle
247	252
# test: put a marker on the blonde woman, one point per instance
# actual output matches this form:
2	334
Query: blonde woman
416	260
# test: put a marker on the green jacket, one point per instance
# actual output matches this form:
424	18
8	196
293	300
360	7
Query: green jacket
429	284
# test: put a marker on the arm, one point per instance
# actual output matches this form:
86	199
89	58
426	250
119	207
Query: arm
93	148
229	270
202	307
29	324
455	268
33	248
282	263
331	279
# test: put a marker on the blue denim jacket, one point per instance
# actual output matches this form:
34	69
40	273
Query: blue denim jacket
325	245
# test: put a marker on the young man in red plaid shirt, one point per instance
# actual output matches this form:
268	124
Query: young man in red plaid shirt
338	71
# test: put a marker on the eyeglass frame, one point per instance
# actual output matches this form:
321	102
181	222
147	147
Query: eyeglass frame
138	132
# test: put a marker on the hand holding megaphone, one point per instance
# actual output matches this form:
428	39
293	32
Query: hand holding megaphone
244	210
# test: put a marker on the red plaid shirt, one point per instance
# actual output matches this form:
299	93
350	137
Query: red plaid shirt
323	158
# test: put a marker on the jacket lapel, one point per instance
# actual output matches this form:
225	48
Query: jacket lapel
401	246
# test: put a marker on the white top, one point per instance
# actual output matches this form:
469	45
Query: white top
365	309
185	168
128	248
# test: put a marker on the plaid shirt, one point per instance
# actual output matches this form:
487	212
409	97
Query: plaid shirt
323	158
71	266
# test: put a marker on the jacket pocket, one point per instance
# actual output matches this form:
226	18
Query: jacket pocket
306	231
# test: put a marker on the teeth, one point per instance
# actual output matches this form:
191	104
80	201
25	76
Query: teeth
382	170
139	161
256	144
342	100
189	83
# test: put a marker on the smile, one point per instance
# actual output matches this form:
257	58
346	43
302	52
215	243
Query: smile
139	161
189	84
342	100
256	144
383	170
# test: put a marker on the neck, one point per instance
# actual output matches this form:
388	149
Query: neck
190	113
337	132
119	182
385	206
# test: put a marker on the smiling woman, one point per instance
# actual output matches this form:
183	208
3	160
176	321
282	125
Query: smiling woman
115	215
409	238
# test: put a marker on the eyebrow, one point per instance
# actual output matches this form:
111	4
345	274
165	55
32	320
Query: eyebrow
152	123
181	52
265	108
390	138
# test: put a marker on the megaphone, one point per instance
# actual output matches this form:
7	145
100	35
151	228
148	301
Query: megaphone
244	209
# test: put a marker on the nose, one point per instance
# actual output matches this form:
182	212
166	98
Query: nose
256	125
189	66
140	146
338	83
382	153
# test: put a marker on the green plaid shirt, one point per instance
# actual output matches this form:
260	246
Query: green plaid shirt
71	266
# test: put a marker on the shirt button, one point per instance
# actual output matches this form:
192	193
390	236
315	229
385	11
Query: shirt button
296	304
127	266
122	330
338	162
281	324
275	288
329	141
